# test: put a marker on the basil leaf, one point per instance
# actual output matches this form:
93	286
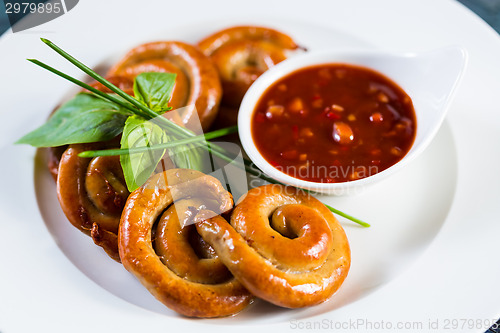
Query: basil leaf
154	90
186	156
138	167
85	118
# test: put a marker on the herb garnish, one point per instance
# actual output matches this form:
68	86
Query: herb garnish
85	118
133	115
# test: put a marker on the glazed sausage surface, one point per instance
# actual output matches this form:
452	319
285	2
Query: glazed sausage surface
122	82
92	193
197	83
174	264
298	259
241	54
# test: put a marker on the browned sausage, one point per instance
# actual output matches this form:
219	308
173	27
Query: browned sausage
283	245
241	54
197	83
92	193
195	285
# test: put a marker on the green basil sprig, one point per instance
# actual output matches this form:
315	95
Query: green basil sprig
154	90
90	118
85	118
186	156
137	168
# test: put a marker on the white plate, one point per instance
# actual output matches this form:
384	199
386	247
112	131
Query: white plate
403	270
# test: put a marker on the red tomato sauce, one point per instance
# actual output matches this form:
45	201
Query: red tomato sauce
334	123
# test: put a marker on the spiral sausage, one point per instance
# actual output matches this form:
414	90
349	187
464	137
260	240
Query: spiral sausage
197	81
54	155
92	193
122	82
299	259
241	54
182	273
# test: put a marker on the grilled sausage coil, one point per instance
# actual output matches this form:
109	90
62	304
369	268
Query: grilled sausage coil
241	54
92	194
280	244
283	245
197	82
193	284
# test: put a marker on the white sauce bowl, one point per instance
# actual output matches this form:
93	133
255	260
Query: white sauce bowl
430	79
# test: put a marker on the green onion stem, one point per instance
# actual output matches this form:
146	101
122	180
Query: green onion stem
179	130
347	216
257	173
150	113
183	132
84	85
198	138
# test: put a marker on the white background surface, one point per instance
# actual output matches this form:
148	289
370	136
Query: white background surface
457	275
